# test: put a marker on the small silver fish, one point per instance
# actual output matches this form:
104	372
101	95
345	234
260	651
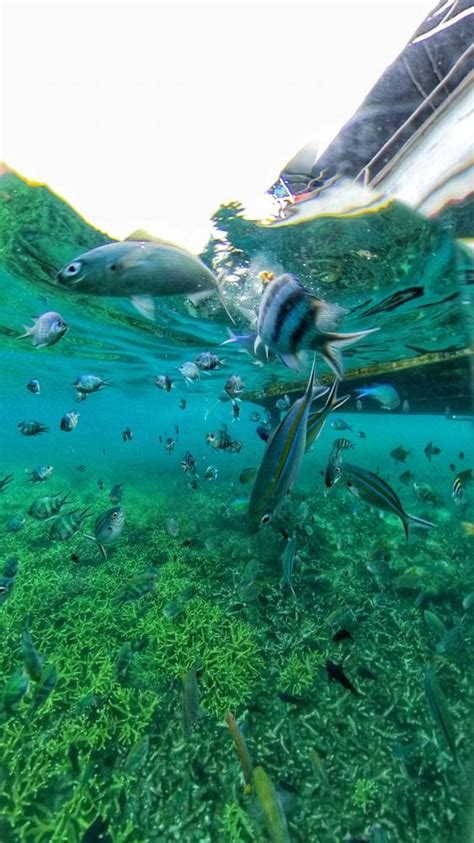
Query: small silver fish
46	330
190	372
234	387
86	384
107	528
208	362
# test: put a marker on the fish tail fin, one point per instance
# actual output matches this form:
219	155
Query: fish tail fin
332	401
330	346
414	521
28	332
312	377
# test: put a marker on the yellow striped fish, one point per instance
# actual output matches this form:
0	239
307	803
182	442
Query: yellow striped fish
282	459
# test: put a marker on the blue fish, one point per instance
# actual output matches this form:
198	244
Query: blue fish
282	459
292	319
384	393
374	491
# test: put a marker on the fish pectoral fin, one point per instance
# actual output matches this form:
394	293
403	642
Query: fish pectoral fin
89	537
103	551
145	306
200	296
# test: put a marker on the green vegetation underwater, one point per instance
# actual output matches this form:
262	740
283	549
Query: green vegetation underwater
174	675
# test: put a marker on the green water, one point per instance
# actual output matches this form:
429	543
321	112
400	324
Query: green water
106	756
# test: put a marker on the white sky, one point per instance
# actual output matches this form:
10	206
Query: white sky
149	115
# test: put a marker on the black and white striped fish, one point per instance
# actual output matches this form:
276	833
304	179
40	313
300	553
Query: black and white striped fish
291	319
457	492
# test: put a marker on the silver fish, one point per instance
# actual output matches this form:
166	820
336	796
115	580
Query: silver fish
141	267
46	330
45	507
41	473
190	372
371	489
86	384
107	528
292	319
282	459
66	526
34	386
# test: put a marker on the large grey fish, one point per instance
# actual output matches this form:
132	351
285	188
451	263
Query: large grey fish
292	319
66	526
282	459
371	489
141	267
107	528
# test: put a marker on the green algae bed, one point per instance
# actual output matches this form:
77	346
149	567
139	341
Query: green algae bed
82	758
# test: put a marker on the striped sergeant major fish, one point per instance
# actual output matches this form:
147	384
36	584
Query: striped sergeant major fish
282	458
462	479
374	491
292	319
318	419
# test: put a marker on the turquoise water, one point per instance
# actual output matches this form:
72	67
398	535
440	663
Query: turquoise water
189	592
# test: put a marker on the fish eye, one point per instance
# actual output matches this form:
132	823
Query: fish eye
113	267
114	514
265	518
74	268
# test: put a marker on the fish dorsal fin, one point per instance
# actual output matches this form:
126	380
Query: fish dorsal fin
141	234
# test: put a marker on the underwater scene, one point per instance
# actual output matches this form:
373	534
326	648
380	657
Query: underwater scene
236	514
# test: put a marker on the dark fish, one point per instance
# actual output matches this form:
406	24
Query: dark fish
340	424
189	464
452	466
6	480
116	493
431	451
127	435
31	658
190	701
34	386
336	674
15	689
235	411
124	660
247	475
263	432
182	404
100	483
342	635
45	687
291	319
208	362
81	468
461	455
292	699
31	428
97	832
361	435
400	454
406	477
